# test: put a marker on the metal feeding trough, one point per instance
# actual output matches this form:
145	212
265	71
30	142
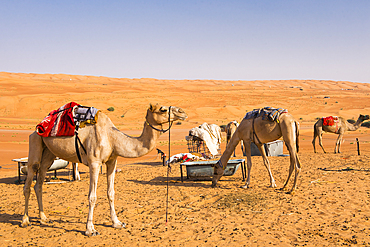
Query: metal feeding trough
22	166
202	169
274	148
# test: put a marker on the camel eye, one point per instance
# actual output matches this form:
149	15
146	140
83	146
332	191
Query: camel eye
163	110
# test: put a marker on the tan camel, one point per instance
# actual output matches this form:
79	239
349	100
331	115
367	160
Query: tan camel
338	128
262	131
230	129
103	143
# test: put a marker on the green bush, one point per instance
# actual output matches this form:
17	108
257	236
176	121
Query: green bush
110	108
366	124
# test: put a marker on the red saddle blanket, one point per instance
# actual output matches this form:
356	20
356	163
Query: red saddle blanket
59	122
329	121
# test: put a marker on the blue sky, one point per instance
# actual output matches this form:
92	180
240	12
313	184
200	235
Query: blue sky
210	39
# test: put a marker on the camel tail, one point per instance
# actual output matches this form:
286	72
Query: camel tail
297	135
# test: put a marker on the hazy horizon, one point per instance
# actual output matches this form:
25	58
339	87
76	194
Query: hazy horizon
220	40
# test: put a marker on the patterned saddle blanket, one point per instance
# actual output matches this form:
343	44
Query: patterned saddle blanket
267	113
64	120
329	121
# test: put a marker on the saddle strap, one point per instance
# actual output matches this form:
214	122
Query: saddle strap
254	134
78	141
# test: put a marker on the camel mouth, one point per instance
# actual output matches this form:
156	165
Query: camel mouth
180	115
181	118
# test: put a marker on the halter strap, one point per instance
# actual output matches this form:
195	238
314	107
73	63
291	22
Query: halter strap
162	130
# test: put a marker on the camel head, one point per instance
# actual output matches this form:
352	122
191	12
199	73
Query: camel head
158	115
363	117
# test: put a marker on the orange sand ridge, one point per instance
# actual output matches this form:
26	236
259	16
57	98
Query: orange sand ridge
330	207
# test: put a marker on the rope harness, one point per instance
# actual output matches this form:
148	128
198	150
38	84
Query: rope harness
161	130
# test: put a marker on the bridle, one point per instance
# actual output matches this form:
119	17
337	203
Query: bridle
162	130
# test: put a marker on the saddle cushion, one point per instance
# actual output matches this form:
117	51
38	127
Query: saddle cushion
329	121
267	113
62	122
59	122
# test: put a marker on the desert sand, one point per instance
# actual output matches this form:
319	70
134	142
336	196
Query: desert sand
329	208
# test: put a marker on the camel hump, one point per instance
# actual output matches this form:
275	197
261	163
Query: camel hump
267	113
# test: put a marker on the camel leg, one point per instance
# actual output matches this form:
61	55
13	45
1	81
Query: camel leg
46	162
27	192
314	139
248	153
242	147
319	135
291	167
94	175
295	164
290	142
34	159
297	171
337	143
267	164
111	170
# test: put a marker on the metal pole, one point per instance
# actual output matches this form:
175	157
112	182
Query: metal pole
358	146
169	156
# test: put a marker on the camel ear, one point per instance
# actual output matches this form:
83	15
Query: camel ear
152	107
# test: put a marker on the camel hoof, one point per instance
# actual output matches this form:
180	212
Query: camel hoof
119	225
283	189
92	233
292	192
25	222
244	186
45	221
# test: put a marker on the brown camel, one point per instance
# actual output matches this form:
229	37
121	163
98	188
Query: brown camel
103	143
230	130
262	131
339	128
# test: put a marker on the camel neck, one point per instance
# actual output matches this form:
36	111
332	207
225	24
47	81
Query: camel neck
355	126
132	147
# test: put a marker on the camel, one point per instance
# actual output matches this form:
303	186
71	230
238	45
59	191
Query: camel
103	143
339	128
262	131
230	129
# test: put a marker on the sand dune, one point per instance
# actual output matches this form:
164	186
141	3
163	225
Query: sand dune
330	207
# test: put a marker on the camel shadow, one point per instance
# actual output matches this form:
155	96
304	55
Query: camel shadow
176	181
63	176
149	163
16	219
13	219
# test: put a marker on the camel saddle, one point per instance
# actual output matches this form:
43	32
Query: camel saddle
329	121
65	120
267	113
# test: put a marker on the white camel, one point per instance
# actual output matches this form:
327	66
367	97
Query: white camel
103	143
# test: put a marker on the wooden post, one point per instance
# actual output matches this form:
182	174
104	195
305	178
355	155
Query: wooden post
358	146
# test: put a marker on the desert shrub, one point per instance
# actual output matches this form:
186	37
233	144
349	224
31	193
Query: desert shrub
110	108
366	124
